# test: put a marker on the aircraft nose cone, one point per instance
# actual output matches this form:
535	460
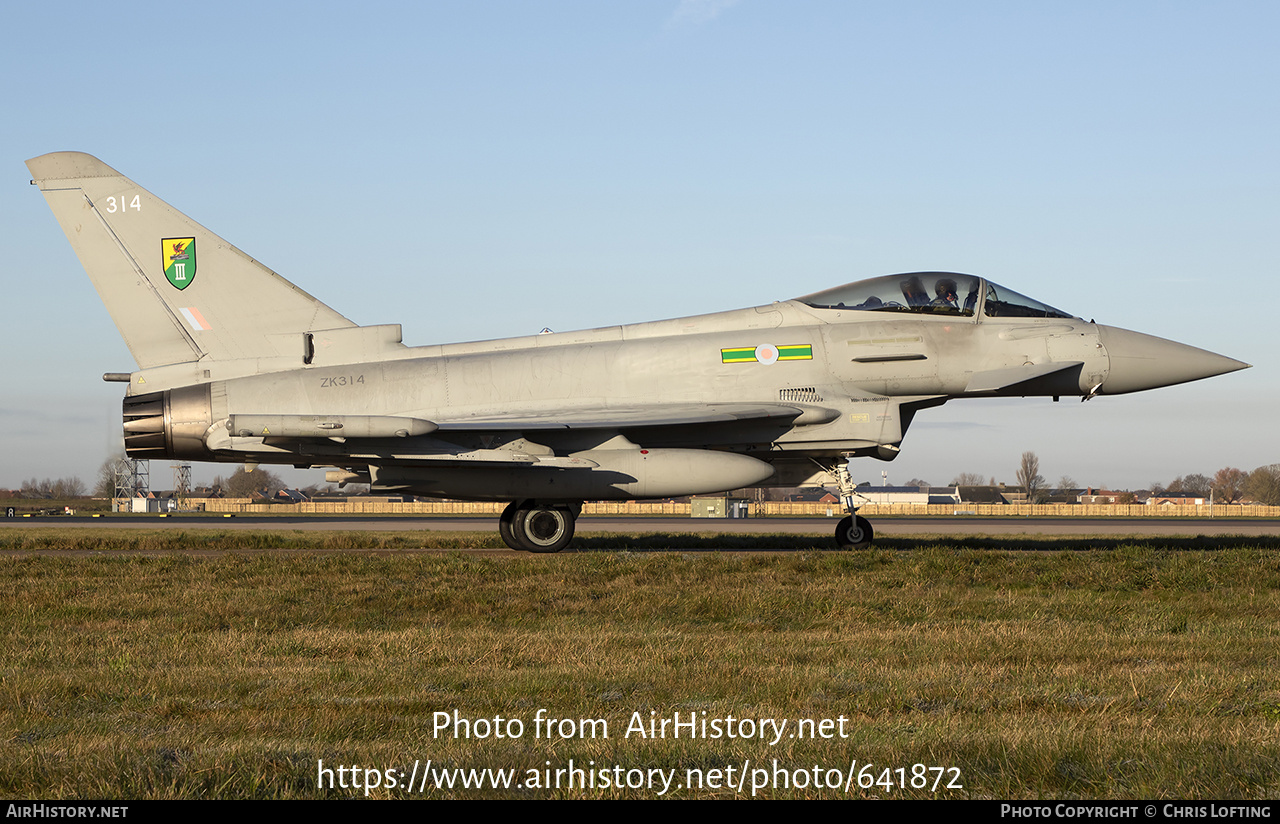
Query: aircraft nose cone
1141	361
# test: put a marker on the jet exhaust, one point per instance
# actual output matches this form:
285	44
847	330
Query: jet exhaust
168	424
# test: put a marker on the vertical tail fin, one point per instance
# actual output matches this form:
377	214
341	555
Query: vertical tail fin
176	291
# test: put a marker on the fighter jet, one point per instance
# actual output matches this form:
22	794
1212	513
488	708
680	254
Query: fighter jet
237	364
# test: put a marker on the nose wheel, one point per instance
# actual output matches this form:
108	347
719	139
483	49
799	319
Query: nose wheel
532	527
854	532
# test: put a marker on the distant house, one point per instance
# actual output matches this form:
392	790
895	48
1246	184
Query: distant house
1175	501
981	495
1112	496
910	494
813	494
1099	496
368	499
1063	496
290	496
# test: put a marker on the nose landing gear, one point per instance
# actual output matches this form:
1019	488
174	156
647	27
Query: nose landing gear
853	531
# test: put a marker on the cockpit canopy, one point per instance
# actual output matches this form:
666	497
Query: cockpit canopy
932	293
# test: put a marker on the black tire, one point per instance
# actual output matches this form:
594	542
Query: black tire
505	527
854	532
543	529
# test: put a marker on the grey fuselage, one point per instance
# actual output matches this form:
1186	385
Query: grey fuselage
586	393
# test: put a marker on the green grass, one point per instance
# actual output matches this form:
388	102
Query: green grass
1142	668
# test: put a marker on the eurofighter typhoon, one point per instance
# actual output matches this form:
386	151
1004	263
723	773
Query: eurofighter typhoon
235	363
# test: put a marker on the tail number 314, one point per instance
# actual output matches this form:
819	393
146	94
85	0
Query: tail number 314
118	204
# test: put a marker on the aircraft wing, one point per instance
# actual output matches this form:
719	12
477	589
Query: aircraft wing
344	427
344	434
629	417
403	439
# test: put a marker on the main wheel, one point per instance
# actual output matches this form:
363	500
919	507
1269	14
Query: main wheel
854	532
543	529
505	527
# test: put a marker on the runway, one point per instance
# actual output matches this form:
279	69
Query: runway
895	526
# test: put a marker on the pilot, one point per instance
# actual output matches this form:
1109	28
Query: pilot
945	290
913	291
971	300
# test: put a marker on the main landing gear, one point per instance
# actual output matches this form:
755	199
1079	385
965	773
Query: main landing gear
853	531
538	527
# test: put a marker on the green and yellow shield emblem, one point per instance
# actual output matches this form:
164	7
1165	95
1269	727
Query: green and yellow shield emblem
179	264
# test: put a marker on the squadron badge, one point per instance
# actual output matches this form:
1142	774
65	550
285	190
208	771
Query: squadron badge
179	262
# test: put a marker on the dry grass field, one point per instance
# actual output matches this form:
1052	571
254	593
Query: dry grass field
212	664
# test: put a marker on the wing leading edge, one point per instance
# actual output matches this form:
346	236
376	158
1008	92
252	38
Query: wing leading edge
631	417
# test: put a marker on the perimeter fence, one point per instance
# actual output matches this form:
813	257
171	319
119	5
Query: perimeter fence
765	509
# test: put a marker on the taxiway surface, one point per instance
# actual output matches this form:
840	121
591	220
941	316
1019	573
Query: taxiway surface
956	525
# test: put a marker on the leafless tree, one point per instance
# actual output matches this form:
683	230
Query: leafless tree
968	479
105	486
1029	477
1189	486
69	487
243	484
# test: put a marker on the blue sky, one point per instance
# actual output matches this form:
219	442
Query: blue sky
485	169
